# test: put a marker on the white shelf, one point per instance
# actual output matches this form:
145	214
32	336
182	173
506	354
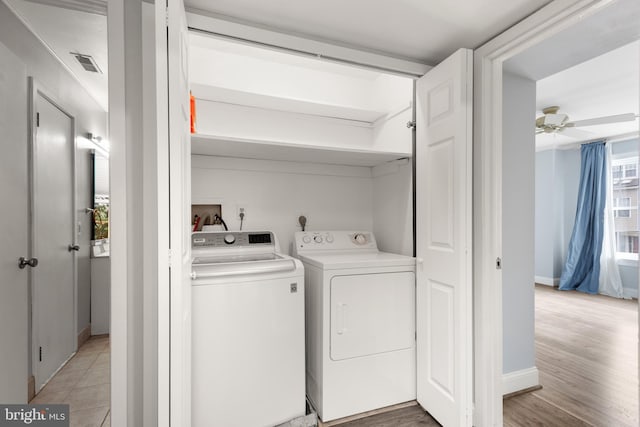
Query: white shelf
225	146
291	105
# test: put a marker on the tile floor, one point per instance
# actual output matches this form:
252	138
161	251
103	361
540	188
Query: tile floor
83	383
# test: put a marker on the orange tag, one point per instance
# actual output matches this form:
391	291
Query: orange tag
192	102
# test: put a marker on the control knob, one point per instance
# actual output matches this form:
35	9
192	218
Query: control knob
306	239
317	239
329	238
229	239
360	239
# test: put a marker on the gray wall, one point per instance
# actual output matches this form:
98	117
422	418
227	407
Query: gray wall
518	154
545	214
60	84
557	181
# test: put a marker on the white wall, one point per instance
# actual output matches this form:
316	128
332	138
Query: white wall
393	207
57	81
274	194
518	223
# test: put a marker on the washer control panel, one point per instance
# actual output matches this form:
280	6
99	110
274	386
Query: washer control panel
333	240
222	239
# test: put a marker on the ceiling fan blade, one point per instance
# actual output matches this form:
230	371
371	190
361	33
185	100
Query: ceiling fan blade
577	134
618	118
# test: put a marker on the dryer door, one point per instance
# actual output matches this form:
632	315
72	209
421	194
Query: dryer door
372	313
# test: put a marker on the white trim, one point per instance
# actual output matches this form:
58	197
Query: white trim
489	58
161	161
627	259
118	189
575	145
549	281
225	26
520	380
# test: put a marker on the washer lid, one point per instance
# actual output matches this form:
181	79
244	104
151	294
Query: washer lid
334	260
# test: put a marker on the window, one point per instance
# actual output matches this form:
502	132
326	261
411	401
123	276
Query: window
621	202
624	174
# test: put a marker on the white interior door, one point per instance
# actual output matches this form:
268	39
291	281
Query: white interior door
443	240
53	237
180	212
14	199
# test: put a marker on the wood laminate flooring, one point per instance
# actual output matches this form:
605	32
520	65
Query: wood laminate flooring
587	355
586	352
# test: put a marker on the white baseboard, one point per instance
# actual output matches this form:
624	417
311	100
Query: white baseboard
549	281
629	293
520	380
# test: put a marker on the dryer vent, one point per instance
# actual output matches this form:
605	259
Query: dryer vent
87	62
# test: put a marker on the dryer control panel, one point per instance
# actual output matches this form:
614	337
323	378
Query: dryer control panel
333	240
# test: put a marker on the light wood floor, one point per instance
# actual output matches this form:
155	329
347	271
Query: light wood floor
587	355
586	352
83	384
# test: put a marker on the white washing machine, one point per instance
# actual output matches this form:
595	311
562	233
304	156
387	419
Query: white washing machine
248	358
360	323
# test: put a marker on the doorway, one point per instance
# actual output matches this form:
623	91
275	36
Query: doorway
58	121
53	238
596	90
542	36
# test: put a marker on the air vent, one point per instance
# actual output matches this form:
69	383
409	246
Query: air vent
87	62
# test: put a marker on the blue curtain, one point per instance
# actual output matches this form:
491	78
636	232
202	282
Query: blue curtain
582	268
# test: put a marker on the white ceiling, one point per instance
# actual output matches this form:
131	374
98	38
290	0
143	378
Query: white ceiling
603	86
425	31
65	30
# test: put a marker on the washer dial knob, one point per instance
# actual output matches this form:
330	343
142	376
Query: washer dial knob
317	239
229	239
360	239
306	239
329	238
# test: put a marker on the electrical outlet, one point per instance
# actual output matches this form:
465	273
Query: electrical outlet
241	209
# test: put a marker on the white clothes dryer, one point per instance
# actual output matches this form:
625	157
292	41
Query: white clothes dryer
360	323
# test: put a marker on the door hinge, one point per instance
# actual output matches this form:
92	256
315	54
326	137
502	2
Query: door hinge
411	125
498	263
40	354
37	119
169	258
166	16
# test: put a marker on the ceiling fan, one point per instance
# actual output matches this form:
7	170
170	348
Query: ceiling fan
552	122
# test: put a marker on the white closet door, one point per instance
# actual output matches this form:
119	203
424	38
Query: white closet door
443	240
180	212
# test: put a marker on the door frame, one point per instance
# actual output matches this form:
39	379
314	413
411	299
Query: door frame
488	72
35	90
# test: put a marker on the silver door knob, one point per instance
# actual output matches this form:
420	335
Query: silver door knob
23	262
74	248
